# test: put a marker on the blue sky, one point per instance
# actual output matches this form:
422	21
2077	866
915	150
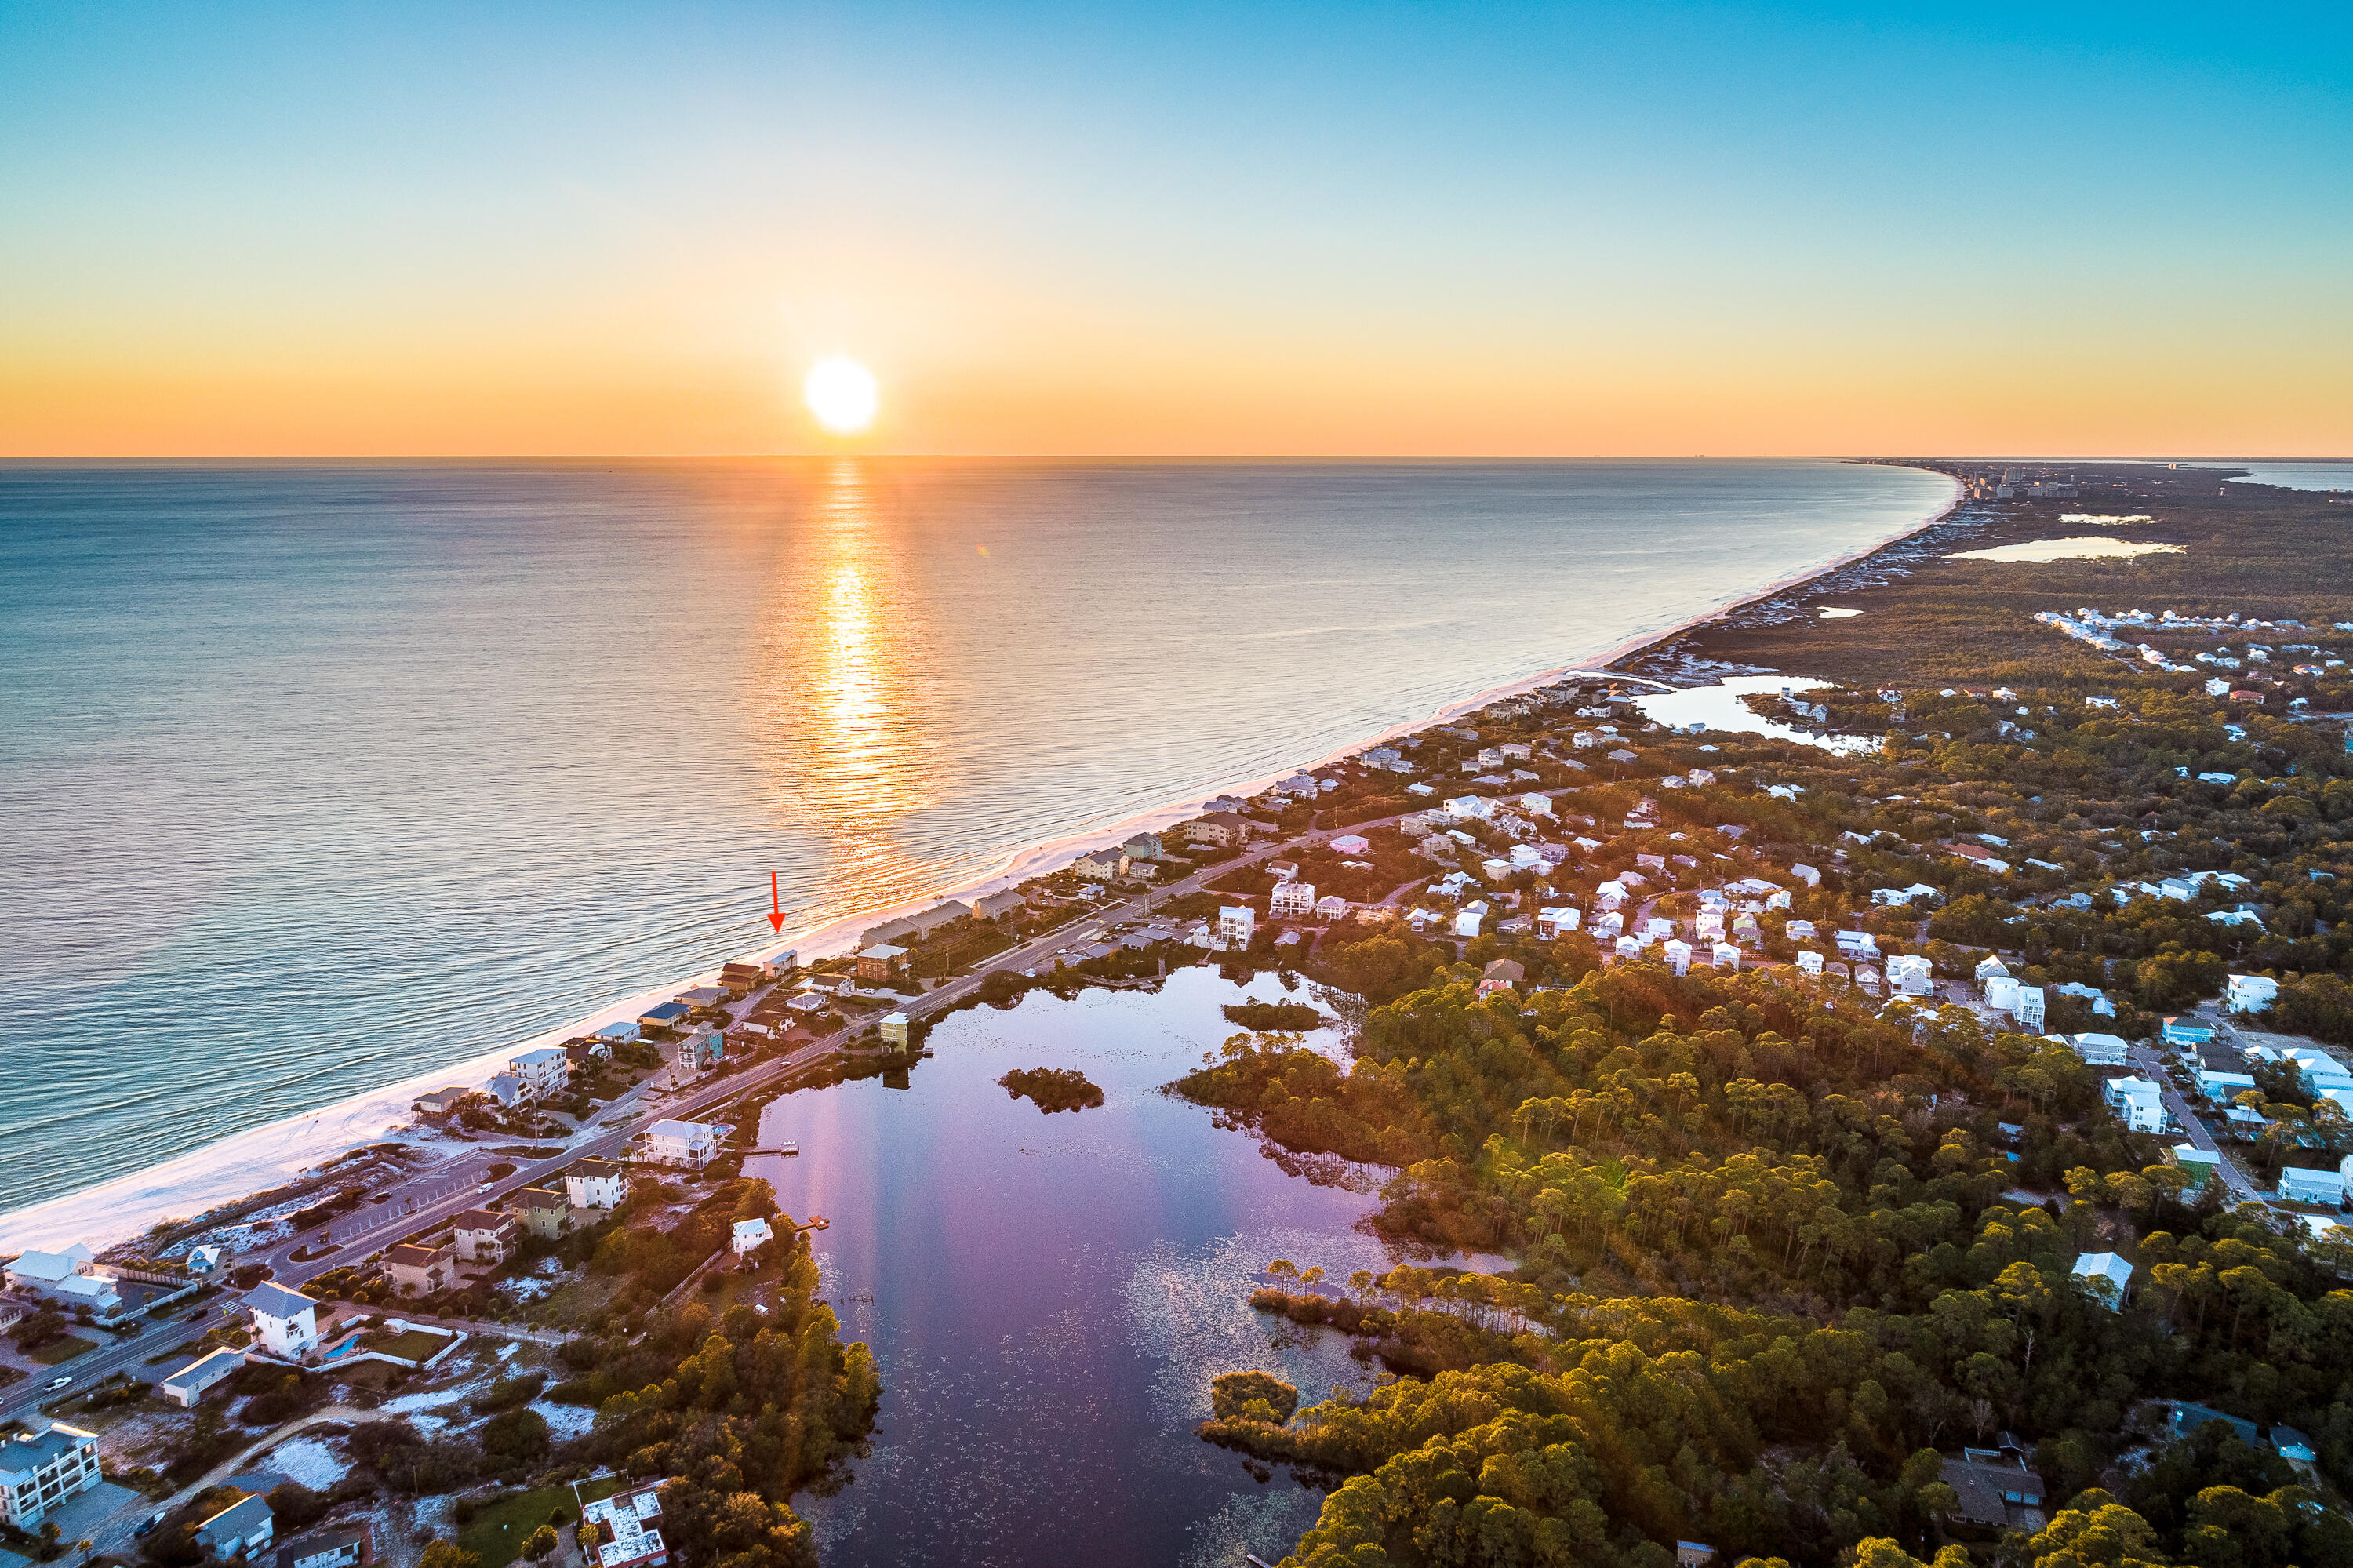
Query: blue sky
1685	227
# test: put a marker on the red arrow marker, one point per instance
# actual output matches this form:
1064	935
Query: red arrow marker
776	905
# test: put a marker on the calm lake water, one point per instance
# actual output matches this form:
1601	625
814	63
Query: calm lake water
317	778
1047	1296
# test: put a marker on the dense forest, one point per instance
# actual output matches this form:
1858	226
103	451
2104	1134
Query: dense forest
1769	1271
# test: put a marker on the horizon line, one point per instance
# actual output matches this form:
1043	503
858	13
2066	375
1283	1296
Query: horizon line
101	457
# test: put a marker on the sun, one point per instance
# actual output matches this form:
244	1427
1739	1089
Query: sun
842	395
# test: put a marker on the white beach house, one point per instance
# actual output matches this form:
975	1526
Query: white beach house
1291	898
689	1144
286	1320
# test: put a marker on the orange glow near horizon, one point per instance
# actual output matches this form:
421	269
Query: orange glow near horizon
1951	403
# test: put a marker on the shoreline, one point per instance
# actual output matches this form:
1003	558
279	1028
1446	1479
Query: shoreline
274	1153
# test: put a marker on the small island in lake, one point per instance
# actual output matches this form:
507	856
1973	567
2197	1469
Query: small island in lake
1289	1017
1252	1396
1053	1089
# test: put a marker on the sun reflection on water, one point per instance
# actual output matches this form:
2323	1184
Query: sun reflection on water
846	716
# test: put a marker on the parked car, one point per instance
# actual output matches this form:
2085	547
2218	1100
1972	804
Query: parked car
147	1526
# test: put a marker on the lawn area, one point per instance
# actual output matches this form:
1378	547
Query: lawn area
61	1350
496	1533
409	1345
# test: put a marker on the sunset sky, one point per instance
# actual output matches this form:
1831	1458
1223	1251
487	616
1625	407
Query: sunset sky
1337	229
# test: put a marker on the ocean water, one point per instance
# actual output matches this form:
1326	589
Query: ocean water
2314	473
314	778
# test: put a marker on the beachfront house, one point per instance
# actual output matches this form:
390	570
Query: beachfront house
1099	864
39	1470
881	964
1000	906
421	1270
622	1034
740	977
663	1015
541	1072
441	1102
587	1049
481	1235
890	931
240	1530
1142	846
286	1321
1225	830
69	1279
595	1183
186	1387
689	1144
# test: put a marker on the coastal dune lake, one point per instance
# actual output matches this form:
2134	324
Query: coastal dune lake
1048	1295
316	778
